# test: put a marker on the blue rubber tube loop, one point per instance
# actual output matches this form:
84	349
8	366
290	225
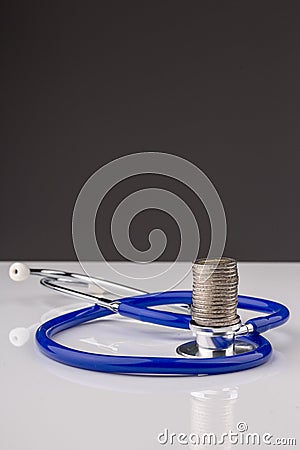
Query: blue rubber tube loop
138	308
136	364
279	313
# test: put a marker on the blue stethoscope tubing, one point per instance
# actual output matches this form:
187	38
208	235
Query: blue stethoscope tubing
139	308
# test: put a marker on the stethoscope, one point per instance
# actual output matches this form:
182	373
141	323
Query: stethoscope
251	348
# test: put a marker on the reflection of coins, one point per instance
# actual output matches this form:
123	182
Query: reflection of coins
179	169
213	412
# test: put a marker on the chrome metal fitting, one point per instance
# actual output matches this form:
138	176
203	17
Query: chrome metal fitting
215	323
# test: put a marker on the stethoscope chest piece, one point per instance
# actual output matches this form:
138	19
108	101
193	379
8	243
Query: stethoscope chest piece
212	343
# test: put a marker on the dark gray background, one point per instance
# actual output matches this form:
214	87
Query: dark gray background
83	83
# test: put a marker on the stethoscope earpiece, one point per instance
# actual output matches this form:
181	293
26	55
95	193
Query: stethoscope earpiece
19	271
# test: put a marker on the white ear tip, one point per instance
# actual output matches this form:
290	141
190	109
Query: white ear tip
19	271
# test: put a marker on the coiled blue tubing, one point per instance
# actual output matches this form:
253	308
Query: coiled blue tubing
139	308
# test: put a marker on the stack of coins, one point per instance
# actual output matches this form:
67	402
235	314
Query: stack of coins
215	290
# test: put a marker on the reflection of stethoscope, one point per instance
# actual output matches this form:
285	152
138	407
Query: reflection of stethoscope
250	349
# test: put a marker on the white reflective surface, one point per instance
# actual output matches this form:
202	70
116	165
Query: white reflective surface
45	405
